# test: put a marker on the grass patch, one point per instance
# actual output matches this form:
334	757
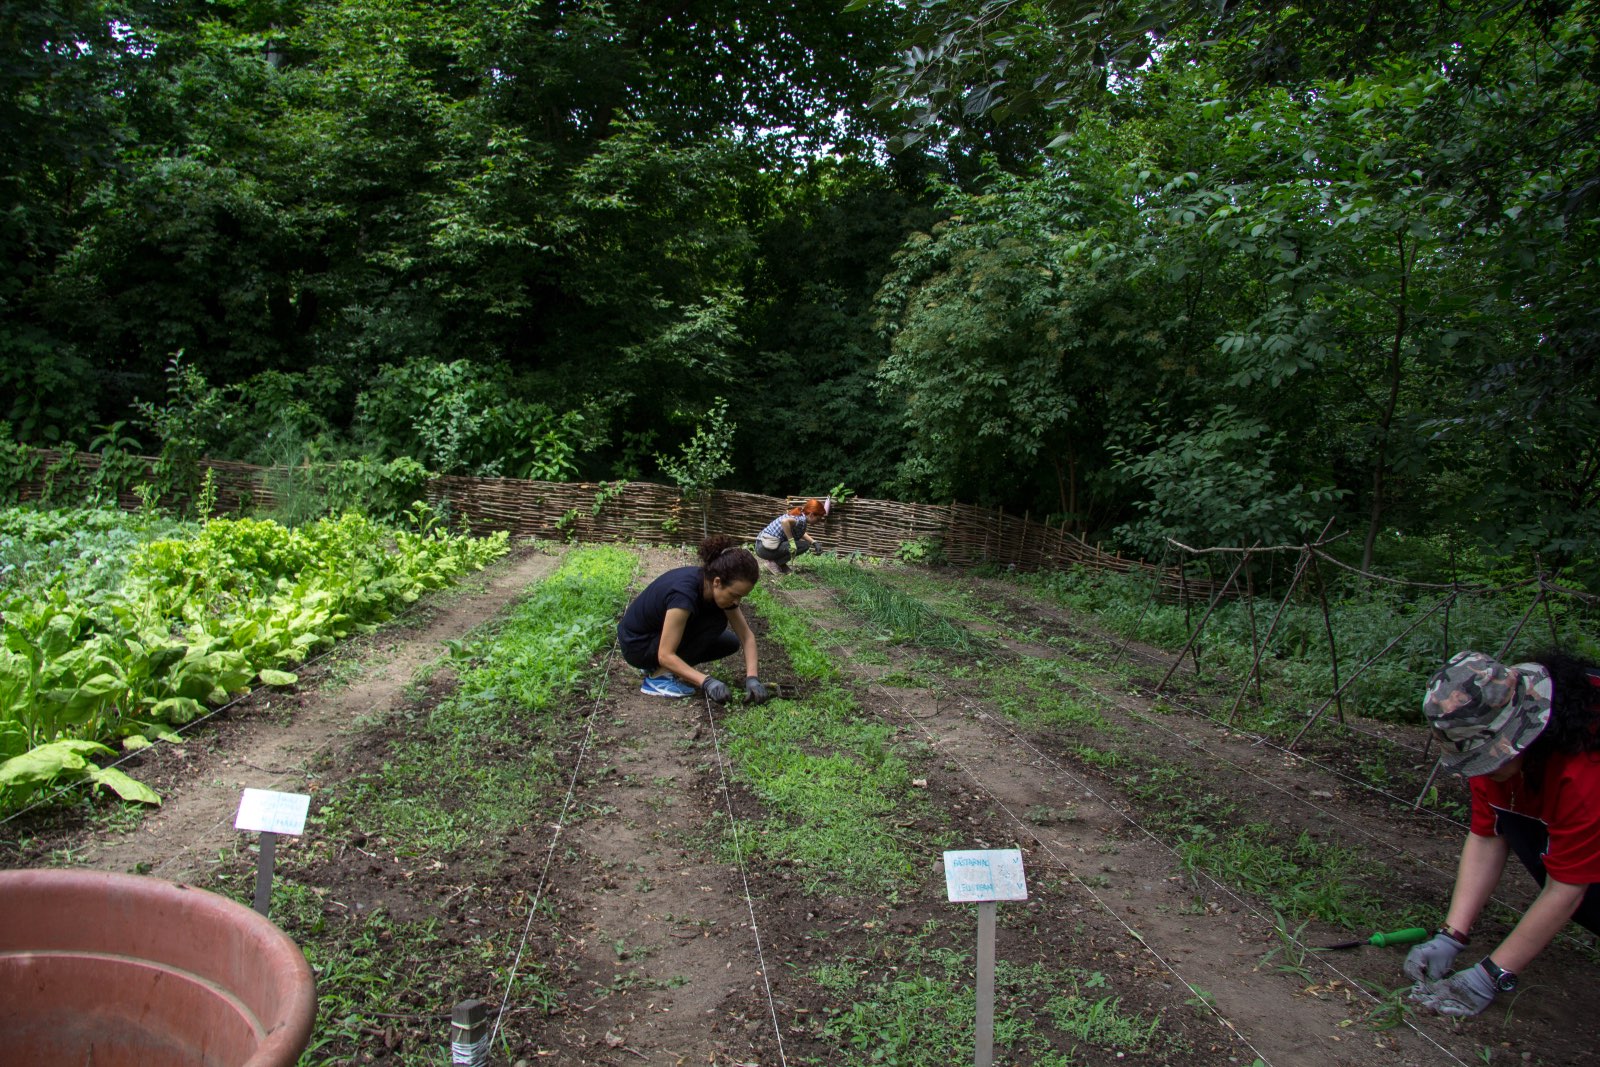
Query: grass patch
1297	661
839	800
896	616
921	1012
795	632
1036	692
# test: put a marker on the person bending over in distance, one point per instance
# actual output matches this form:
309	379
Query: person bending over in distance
691	615
786	536
1527	738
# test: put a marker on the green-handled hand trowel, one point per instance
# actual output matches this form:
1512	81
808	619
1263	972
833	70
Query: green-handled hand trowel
1412	935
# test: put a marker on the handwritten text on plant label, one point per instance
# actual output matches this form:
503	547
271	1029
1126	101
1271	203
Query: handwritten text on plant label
983	875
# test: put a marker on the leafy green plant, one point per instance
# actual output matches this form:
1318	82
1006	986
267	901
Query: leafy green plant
121	468
205	500
705	459
1291	951
64	478
923	551
194	413
567	524
1099	1019
19	465
605	494
100	651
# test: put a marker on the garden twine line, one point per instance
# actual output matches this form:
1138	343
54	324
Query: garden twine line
738	851
1060	864
555	838
1171	968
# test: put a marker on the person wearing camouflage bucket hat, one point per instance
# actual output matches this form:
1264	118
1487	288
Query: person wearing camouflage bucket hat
1485	713
1527	739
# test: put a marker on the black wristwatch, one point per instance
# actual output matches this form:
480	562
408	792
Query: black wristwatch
1504	980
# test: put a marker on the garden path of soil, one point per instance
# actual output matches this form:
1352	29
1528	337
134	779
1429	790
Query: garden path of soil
652	938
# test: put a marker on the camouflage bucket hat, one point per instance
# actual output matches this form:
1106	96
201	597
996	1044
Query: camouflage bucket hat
1485	713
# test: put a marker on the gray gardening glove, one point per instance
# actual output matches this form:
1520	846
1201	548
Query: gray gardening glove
1463	994
1432	960
754	691
715	689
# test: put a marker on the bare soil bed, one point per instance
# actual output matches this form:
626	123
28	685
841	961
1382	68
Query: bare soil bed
622	923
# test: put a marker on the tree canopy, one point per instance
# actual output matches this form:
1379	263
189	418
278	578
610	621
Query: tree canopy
1159	268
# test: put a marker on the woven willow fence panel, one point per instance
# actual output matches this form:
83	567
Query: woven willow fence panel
642	512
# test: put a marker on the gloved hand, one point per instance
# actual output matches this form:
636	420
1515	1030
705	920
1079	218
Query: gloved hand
1432	960
754	691
1463	994
715	689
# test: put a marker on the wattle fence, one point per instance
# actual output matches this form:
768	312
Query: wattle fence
643	512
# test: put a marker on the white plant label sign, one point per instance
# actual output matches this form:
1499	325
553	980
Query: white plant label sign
267	812
978	876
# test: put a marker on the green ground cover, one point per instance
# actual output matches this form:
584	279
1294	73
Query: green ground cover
913	1011
118	628
840	810
1297	664
1297	876
487	746
488	742
835	785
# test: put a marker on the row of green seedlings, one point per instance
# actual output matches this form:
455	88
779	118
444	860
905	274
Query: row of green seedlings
150	624
465	766
1295	876
1298	661
841	809
1273	718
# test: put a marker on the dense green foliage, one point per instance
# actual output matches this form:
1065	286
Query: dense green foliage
115	627
1156	269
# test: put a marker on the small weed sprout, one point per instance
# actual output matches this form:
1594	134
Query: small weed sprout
1291	950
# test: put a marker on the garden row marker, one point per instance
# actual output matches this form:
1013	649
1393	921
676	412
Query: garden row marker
984	877
1059	863
469	1034
937	743
270	814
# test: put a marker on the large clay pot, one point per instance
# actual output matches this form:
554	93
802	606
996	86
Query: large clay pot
115	970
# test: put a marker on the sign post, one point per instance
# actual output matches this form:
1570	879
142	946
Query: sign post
984	877
270	814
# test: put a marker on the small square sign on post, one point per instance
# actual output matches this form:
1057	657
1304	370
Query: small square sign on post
270	814
983	877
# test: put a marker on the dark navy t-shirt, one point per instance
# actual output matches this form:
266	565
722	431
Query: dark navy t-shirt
640	630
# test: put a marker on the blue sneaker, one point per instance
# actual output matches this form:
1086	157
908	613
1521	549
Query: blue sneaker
665	686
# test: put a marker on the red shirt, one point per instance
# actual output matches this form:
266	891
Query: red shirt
1568	806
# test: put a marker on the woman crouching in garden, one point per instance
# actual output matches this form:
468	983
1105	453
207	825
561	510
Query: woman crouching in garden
785	536
691	615
1527	738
